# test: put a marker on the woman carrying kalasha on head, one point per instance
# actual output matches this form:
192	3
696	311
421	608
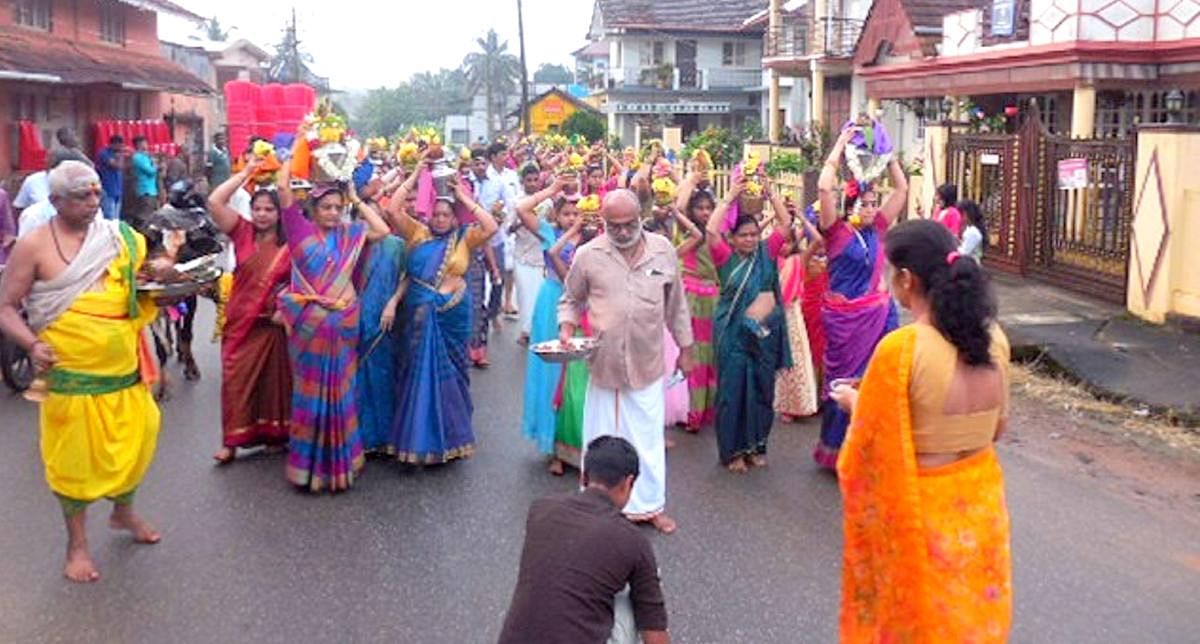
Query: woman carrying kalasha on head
321	310
927	555
378	282
796	386
256	383
696	203
433	399
858	309
750	337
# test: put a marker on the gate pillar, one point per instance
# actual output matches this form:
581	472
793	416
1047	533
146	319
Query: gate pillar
1164	267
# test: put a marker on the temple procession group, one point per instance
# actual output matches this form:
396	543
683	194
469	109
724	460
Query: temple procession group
357	309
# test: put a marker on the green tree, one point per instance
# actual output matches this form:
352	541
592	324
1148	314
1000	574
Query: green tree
495	72
586	124
213	30
553	75
442	92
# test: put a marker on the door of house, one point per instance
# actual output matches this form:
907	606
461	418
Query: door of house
1073	232
837	101
685	60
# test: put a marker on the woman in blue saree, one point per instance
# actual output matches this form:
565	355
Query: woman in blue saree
383	268
320	311
433	397
750	336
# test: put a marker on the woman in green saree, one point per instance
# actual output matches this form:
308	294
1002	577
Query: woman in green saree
750	338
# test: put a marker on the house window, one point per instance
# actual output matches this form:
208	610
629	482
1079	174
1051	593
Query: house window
112	23
653	53
733	54
34	13
29	107
126	106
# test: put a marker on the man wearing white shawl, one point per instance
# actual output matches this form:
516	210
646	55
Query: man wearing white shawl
77	278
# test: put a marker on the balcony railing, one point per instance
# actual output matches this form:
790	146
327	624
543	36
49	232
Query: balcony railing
828	38
675	78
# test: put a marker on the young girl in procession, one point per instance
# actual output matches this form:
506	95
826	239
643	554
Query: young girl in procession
665	221
751	344
796	387
858	309
433	401
572	388
700	285
321	310
559	238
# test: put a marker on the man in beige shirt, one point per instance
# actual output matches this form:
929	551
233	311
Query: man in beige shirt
628	282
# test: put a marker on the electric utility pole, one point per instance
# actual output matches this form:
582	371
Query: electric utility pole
524	71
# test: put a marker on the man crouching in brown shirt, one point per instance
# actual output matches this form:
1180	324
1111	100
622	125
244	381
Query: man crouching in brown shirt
580	554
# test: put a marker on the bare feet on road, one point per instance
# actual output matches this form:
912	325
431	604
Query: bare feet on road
80	568
124	518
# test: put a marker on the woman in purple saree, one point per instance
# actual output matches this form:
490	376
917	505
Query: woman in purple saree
320	311
858	310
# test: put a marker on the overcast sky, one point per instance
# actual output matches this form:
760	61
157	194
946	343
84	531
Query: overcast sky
363	44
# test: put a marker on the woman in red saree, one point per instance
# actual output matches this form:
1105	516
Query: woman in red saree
256	383
926	549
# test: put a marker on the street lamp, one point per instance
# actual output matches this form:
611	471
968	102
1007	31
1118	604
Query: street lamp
1174	105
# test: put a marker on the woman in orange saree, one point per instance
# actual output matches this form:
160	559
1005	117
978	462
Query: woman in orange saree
926	550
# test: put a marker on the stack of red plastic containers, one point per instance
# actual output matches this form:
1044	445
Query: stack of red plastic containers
157	133
265	110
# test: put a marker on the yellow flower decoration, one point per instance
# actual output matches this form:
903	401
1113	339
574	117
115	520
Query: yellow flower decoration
575	162
263	149
589	204
855	220
750	171
664	190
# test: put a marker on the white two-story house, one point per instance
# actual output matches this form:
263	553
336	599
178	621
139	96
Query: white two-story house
689	63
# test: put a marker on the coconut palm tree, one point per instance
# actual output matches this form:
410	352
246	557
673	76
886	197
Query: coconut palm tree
493	70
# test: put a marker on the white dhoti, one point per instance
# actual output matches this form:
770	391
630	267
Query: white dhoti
637	416
529	282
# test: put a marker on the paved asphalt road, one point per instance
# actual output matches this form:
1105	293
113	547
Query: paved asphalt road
432	556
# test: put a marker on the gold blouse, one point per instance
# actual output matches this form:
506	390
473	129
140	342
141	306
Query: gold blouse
938	375
414	232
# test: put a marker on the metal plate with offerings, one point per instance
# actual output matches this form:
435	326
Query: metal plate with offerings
553	351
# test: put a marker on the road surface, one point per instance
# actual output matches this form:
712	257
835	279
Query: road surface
431	556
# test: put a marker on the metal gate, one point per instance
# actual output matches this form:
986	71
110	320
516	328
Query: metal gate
1074	235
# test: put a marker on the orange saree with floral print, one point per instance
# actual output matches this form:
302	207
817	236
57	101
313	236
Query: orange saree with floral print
926	552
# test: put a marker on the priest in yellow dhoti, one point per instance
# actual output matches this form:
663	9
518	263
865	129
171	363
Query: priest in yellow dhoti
76	276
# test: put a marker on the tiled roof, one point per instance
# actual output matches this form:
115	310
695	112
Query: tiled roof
683	15
26	51
925	17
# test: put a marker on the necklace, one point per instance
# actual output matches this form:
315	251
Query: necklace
58	247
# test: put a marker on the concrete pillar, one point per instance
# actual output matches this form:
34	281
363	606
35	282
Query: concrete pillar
936	167
873	107
816	103
1083	112
612	125
955	113
773	125
1164	269
774	26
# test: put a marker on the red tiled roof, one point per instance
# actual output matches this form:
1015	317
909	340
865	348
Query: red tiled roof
165	6
682	15
26	51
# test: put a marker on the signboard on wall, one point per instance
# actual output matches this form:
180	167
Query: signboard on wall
671	108
1003	18
1072	174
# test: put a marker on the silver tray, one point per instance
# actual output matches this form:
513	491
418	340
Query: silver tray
553	352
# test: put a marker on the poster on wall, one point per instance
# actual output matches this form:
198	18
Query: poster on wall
1003	17
1072	174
